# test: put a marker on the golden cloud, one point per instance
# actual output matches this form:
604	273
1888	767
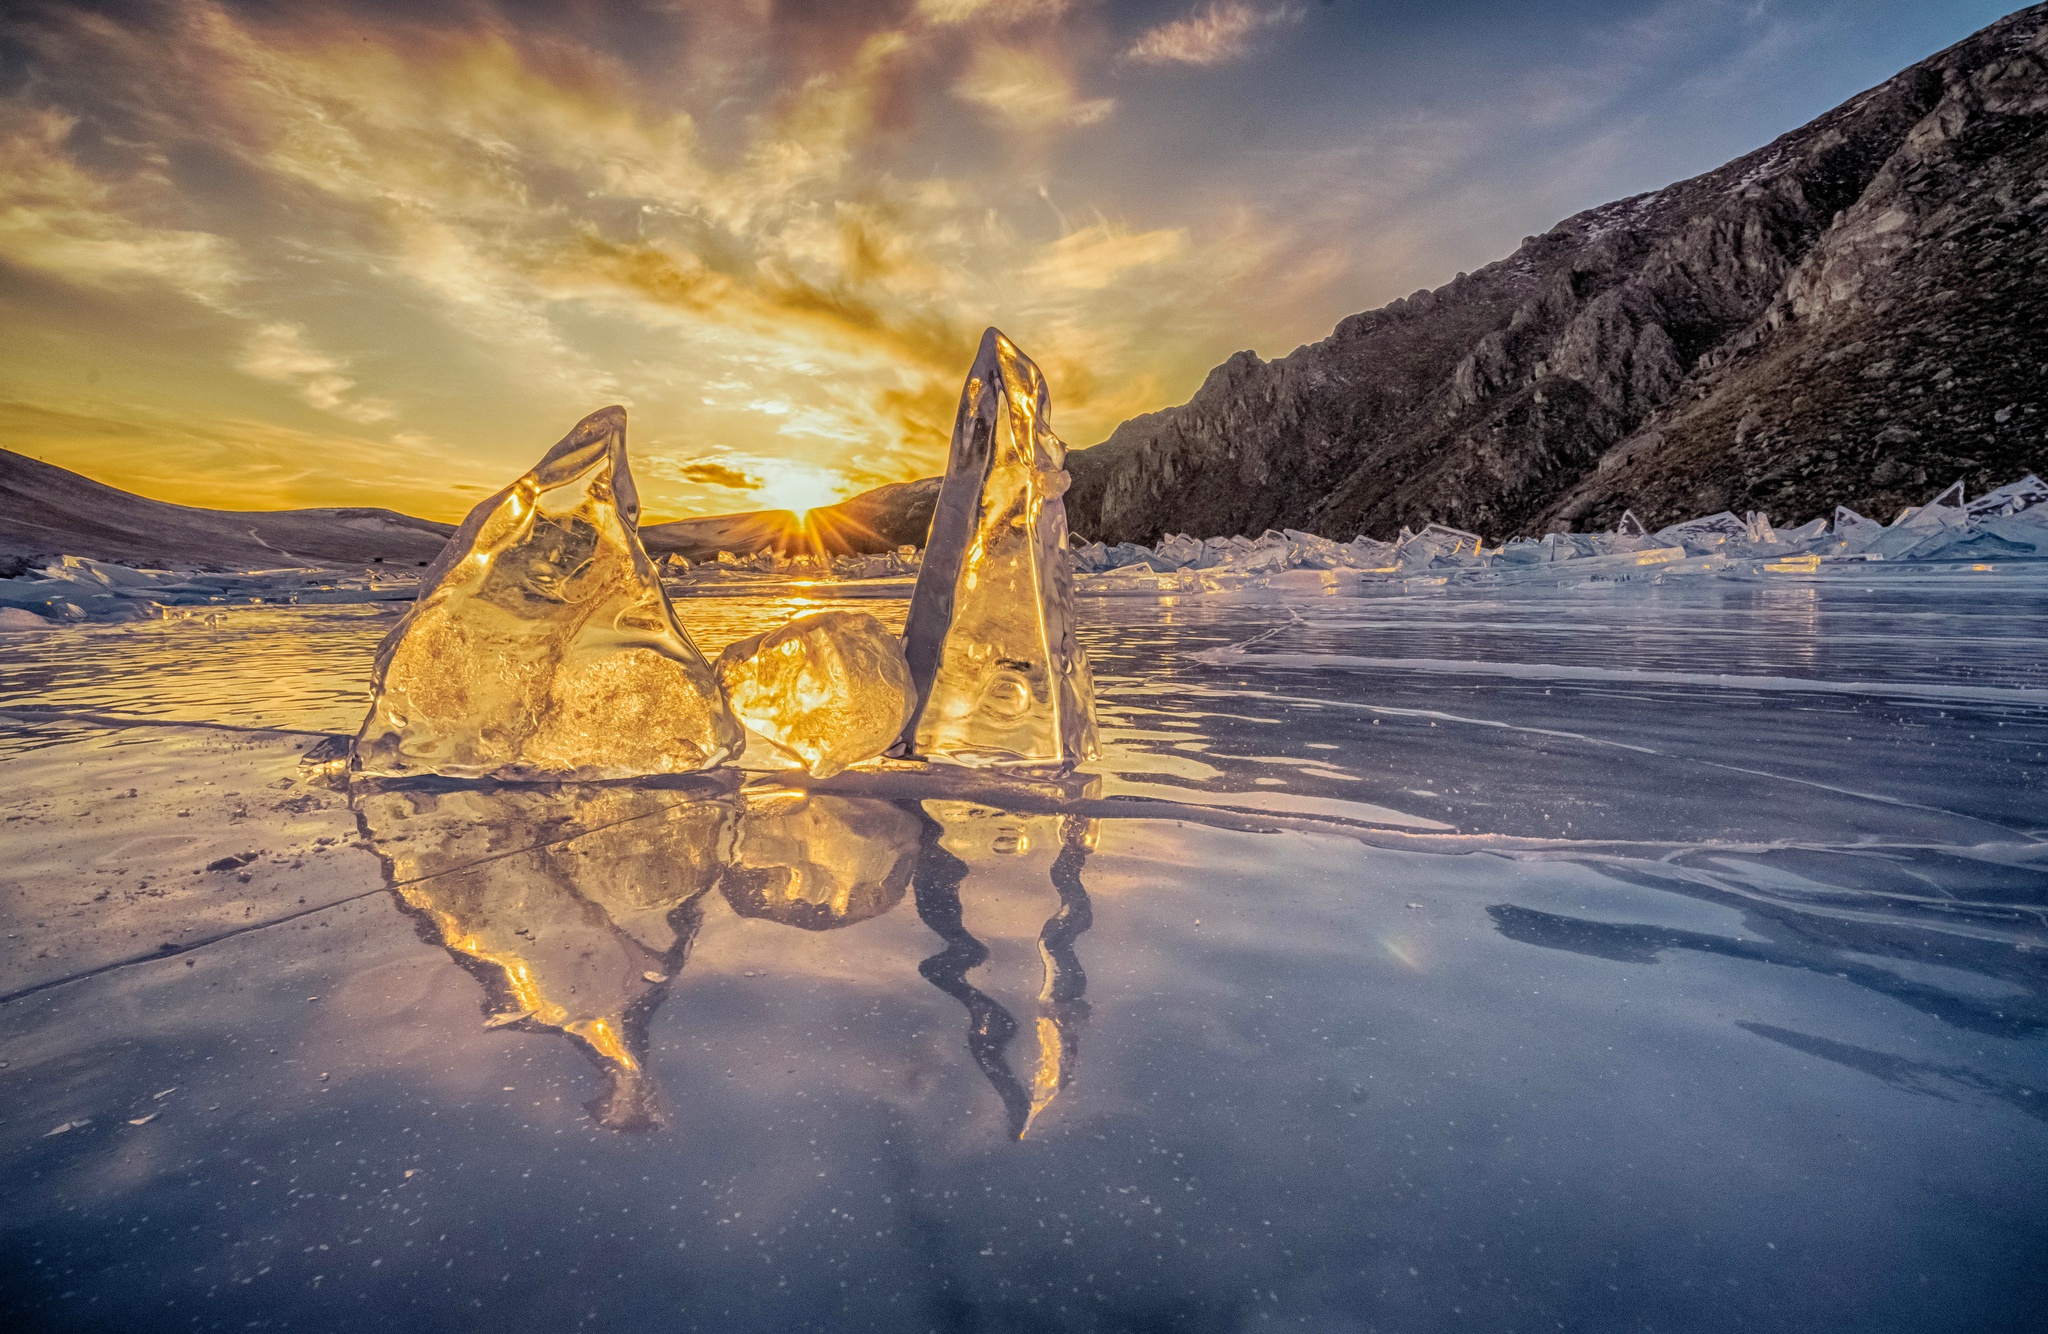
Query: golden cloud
278	352
1027	90
1094	257
527	231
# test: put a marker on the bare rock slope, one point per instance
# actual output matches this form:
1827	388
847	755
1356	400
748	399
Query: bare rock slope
1851	314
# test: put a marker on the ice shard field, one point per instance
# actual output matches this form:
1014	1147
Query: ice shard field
1418	956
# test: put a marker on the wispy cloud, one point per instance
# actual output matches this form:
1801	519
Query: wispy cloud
279	353
60	220
1215	33
1027	90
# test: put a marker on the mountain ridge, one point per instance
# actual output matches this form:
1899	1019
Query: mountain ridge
1648	353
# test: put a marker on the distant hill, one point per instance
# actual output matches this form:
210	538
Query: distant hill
49	511
1856	313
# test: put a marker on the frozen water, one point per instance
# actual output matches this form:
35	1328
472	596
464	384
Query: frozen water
832	689
1000	678
1424	956
542	644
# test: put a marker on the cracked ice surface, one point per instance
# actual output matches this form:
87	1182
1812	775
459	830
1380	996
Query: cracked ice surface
1439	946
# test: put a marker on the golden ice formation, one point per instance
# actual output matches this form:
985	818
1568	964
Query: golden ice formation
542	646
999	677
832	689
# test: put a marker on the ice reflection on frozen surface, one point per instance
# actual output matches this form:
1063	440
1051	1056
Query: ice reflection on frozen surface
1601	957
576	905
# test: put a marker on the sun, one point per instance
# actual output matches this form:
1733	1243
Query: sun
792	486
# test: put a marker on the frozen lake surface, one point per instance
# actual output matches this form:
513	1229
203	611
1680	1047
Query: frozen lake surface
1615	957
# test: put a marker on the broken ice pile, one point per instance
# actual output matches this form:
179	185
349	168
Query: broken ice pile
72	589
542	645
998	675
831	689
2010	523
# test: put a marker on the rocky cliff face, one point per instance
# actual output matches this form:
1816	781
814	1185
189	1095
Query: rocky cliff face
1852	314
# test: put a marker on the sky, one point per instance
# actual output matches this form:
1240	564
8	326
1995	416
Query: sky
386	252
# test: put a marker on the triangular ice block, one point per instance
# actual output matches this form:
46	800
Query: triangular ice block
999	676
542	645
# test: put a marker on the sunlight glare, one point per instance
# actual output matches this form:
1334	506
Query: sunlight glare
801	489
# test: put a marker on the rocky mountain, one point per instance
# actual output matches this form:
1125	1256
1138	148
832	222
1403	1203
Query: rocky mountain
1854	314
49	511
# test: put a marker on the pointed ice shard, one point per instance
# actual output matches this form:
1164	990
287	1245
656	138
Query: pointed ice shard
542	645
2027	493
999	677
1952	498
1630	526
831	689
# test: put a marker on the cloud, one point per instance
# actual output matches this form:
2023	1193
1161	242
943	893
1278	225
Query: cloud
717	474
278	352
1095	257
528	228
1027	90
948	12
60	220
1211	35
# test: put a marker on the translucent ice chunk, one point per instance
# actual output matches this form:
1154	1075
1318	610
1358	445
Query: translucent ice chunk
1923	529
1630	526
2030	492
1704	537
999	677
1178	550
1805	534
542	645
819	862
1436	543
831	689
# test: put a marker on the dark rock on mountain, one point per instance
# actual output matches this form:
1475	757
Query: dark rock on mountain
1856	313
882	519
47	511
